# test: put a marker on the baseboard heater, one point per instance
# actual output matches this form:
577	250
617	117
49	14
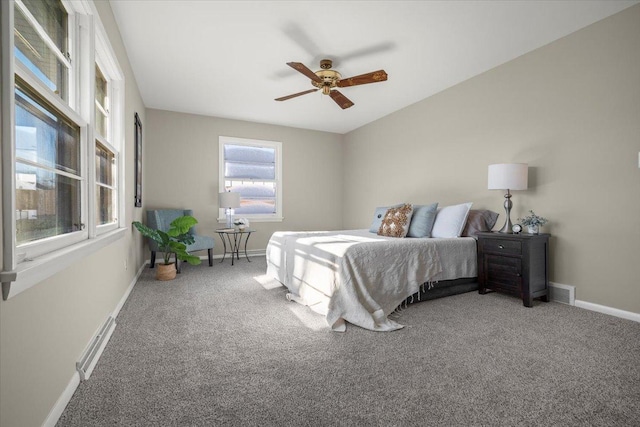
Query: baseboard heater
90	357
564	294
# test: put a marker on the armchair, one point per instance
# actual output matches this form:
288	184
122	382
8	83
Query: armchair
160	219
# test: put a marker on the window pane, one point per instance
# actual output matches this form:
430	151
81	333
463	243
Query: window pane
101	88
101	123
47	204
44	136
105	165
105	176
249	170
246	153
101	100
31	49
249	162
105	205
255	198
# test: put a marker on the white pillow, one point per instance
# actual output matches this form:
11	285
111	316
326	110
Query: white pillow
450	220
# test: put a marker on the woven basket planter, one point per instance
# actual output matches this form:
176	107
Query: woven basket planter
166	271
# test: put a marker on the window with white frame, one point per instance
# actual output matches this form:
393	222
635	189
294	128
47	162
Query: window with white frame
62	166
106	200
48	169
252	168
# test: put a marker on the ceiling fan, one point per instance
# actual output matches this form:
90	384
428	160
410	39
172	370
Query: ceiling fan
327	79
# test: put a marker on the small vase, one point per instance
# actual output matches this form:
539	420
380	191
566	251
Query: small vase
533	229
166	271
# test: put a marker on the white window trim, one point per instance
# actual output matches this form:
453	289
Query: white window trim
104	228
222	140
105	57
16	276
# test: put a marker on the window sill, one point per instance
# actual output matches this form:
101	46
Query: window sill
30	273
223	220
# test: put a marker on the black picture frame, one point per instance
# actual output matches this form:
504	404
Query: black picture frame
138	139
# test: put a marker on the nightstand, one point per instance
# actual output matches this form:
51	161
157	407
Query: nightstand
516	264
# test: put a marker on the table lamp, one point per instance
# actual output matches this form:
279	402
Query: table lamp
508	176
228	201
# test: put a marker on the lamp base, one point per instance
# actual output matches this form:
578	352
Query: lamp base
506	228
229	212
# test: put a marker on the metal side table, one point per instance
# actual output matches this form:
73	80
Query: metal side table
233	242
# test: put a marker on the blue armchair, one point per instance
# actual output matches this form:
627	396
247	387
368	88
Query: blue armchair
161	219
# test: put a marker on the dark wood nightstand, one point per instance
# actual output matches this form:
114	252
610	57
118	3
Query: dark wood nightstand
517	264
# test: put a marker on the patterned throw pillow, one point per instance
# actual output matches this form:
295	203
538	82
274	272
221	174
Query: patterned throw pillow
396	221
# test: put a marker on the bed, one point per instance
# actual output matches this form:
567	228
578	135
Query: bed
359	277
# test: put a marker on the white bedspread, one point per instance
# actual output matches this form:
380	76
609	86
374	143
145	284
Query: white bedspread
359	277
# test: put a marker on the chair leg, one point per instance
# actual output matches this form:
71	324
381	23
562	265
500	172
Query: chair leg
210	251
153	259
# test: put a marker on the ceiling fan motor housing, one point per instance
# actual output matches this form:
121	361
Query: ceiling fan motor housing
328	76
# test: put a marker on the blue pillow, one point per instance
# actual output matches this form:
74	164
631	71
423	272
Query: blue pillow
378	216
422	220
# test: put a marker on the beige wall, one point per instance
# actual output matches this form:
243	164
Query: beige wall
571	110
44	330
181	157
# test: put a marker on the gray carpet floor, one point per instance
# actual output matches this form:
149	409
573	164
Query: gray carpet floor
221	346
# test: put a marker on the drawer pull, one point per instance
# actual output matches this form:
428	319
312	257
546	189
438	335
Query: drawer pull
501	247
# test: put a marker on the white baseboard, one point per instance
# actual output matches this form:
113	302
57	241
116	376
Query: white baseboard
74	382
127	292
63	400
629	315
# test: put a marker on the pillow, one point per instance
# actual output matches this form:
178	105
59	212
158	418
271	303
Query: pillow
479	220
378	216
396	221
422	220
450	220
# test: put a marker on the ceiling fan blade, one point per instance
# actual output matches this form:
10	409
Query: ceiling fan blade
363	79
340	99
304	70
284	98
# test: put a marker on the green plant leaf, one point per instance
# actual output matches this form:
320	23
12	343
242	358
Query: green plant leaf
175	240
181	225
191	259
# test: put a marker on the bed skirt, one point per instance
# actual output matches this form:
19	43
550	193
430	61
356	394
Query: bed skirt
443	288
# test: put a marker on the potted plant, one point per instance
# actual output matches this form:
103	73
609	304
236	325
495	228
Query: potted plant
174	241
533	222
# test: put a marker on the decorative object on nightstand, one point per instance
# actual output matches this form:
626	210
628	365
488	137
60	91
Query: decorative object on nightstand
241	223
516	264
508	176
533	222
229	201
517	228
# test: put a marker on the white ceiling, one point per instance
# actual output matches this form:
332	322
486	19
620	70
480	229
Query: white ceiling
228	58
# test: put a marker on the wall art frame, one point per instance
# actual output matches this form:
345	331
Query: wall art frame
138	161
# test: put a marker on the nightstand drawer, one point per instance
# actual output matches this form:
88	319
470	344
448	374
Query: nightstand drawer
503	246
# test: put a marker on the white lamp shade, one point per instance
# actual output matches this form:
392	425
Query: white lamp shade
508	176
229	200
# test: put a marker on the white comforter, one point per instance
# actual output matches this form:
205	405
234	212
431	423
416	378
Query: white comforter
359	277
